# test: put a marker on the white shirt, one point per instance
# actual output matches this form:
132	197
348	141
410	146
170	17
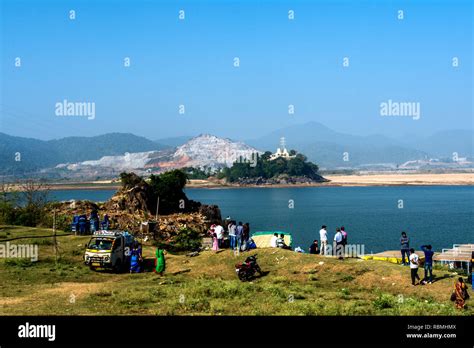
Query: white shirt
338	237
414	258
232	230
219	230
273	242
323	234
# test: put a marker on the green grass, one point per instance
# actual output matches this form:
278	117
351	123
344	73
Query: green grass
295	285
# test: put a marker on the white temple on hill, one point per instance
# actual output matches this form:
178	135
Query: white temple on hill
281	152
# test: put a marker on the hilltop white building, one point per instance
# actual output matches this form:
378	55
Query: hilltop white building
281	152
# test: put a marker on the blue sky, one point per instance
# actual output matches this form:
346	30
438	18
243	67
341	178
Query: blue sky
190	62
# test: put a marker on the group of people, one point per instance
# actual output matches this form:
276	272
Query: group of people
136	259
411	258
239	236
279	241
82	225
339	242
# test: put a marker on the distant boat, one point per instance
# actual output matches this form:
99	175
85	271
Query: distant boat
262	238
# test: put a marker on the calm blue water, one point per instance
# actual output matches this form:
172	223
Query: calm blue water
437	215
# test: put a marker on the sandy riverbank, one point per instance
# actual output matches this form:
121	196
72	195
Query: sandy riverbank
395	179
401	179
366	180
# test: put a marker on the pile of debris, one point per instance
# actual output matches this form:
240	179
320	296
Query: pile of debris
134	209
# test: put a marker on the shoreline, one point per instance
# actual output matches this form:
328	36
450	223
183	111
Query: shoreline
354	180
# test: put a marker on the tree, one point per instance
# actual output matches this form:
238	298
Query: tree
8	200
169	188
266	168
34	196
130	180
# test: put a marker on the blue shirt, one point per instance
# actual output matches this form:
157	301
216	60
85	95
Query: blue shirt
239	230
428	255
404	241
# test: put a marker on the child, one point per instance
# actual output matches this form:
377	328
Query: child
414	263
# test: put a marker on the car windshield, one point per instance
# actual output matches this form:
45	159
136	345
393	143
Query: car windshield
100	244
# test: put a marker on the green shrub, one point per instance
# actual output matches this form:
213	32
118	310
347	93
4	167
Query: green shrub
185	240
24	263
384	301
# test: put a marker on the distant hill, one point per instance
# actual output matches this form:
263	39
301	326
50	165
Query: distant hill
106	154
444	143
327	147
39	154
204	151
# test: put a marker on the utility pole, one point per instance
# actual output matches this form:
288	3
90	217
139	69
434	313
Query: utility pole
157	226
157	207
55	242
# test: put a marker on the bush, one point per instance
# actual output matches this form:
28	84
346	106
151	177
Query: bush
384	301
24	263
185	240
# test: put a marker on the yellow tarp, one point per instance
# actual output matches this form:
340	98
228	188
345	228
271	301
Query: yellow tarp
263	241
393	256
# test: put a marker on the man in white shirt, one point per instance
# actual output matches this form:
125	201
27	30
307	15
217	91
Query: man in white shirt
273	240
414	262
219	231
323	235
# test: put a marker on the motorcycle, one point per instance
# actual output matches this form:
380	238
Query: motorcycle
246	270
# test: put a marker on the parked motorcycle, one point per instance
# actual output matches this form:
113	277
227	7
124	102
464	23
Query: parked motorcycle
246	270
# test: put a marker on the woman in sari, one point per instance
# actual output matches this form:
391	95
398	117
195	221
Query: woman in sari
160	261
460	291
215	242
213	234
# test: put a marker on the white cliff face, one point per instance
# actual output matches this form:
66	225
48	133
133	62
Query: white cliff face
124	162
210	151
202	151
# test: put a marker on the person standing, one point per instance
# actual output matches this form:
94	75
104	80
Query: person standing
344	239
246	233
160	261
232	239
136	258
323	236
428	263
239	230
405	248
105	222
219	231
75	223
414	263
82	224
338	243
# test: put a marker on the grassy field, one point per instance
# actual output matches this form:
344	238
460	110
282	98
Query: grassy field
296	284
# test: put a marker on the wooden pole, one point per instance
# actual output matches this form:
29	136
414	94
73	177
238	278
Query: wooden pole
157	226
55	243
157	207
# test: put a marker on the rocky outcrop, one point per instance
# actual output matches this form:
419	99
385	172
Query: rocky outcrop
133	208
279	180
